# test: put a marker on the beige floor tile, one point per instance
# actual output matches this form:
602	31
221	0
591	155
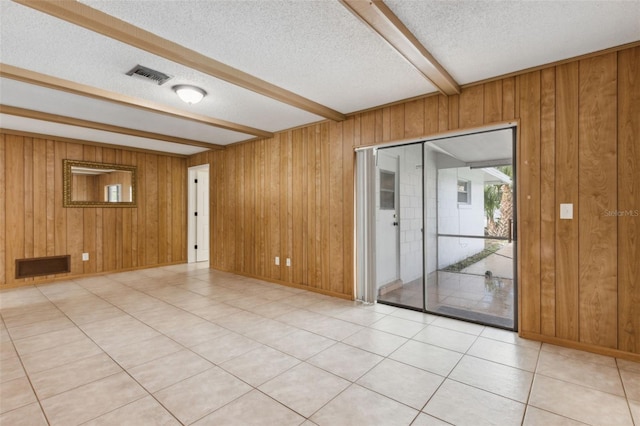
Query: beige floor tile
579	372
35	313
304	388
427	420
167	318
578	402
86	317
460	404
333	360
92	400
196	334
273	309
378	342
635	411
414	316
509	337
28	415
138	353
465	327
360	316
169	369
201	394
11	368
500	379
269	331
213	312
446	338
145	411
254	409
226	347
57	356
624	364
48	340
302	344
427	357
537	417
360	406
240	322
259	365
505	353
333	328
7	350
15	393
631	382
120	331
607	361
398	326
401	382
40	327
60	379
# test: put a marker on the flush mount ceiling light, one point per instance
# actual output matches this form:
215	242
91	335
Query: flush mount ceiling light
189	94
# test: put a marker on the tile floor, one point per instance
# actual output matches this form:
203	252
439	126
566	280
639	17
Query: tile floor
188	345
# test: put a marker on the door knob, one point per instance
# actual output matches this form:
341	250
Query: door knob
395	223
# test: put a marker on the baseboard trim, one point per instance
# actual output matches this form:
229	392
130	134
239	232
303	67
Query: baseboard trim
616	353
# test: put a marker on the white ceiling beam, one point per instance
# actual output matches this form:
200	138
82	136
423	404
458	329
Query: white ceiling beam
50	82
110	26
377	15
71	121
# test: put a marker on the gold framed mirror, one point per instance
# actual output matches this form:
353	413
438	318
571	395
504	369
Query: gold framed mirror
88	184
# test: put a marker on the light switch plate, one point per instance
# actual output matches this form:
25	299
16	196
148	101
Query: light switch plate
85	257
566	211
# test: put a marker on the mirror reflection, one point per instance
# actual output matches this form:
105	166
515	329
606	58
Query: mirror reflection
97	184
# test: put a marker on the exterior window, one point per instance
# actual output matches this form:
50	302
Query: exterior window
387	190
464	192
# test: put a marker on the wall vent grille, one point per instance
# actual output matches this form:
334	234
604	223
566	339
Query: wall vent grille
149	74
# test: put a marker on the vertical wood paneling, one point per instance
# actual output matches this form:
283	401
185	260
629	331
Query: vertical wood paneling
629	200
529	201
34	222
567	231
431	115
336	201
348	207
3	209
547	203
28	198
472	107
509	98
598	175
14	213
414	119
493	102
75	219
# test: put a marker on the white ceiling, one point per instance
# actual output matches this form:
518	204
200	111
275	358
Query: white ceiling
316	49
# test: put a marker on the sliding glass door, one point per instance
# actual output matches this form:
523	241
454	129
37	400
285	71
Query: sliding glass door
441	227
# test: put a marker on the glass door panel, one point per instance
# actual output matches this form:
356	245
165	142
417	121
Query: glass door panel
398	228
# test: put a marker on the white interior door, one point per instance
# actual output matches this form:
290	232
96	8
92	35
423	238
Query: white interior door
198	237
387	220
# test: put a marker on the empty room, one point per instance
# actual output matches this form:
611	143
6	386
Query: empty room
319	212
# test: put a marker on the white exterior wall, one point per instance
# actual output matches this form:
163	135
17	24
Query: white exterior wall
410	212
455	218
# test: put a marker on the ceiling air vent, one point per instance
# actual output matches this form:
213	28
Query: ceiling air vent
149	74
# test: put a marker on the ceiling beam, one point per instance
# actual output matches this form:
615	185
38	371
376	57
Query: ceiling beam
61	119
110	26
377	15
32	77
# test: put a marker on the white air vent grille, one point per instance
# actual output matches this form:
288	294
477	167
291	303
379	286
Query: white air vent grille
149	74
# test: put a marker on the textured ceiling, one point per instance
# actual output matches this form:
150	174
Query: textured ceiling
316	49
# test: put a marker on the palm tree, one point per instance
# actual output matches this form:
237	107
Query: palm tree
492	199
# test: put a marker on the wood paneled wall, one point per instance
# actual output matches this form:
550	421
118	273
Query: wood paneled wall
579	126
33	222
